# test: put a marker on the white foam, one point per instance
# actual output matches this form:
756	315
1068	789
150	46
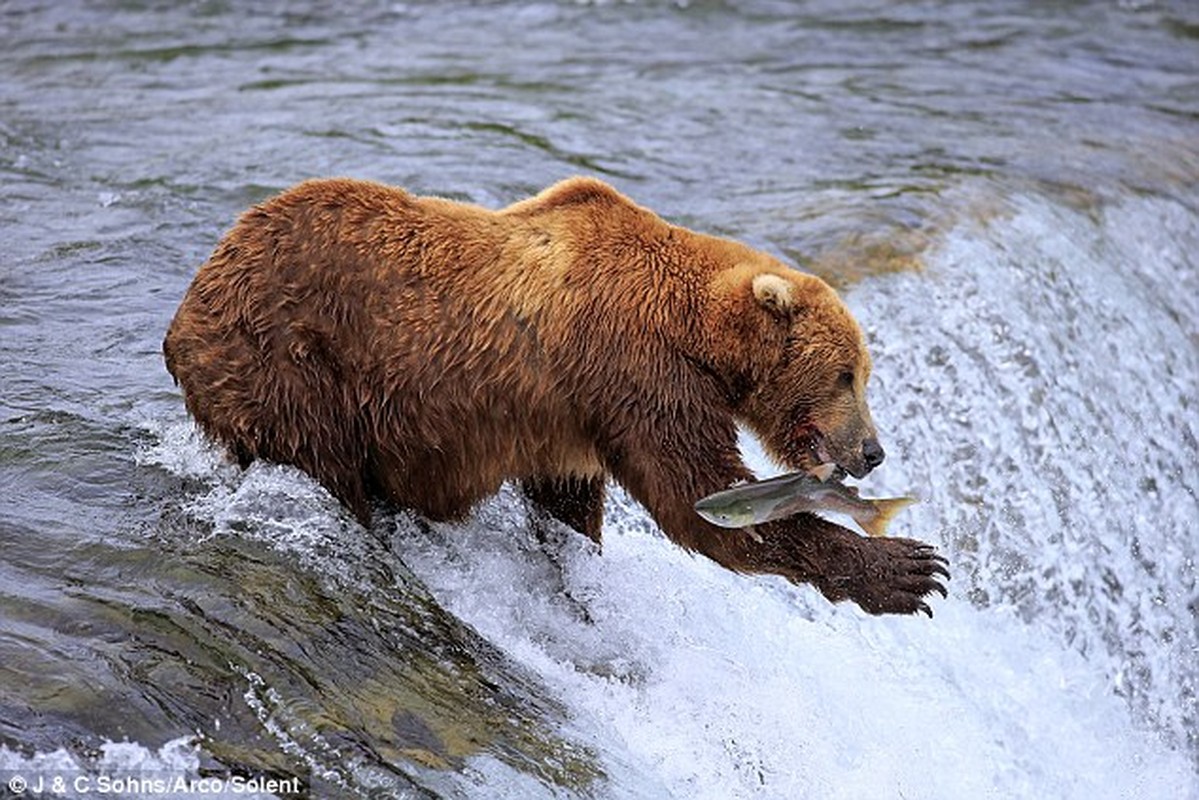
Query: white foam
178	446
721	686
1038	386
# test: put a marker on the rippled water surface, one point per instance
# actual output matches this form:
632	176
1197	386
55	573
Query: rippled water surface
1007	193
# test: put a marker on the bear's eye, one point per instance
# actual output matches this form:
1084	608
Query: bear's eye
845	380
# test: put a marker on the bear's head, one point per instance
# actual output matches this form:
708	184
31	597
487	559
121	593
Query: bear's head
796	365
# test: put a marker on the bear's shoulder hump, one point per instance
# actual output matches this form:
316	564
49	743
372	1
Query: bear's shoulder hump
576	191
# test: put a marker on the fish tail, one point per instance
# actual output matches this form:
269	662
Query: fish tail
885	512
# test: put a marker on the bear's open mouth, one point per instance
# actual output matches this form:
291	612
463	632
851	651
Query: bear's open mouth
813	455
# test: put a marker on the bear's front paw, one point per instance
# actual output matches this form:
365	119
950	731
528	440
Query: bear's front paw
894	576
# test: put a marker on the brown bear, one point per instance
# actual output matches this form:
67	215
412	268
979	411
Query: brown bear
423	351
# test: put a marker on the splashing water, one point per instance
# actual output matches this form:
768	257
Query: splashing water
1040	385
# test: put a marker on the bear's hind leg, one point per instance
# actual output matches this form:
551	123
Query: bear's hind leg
577	501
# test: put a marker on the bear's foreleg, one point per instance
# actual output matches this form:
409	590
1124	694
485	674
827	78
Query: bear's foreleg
882	575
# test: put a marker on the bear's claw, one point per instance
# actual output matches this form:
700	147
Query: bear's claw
897	575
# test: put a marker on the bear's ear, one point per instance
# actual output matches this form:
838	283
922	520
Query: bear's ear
775	293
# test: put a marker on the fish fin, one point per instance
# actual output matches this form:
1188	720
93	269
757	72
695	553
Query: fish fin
887	509
753	534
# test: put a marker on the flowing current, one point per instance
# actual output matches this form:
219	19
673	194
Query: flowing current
1007	193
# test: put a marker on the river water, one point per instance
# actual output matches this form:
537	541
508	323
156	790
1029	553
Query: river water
1006	192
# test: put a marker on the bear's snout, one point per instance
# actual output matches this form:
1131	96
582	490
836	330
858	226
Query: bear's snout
872	453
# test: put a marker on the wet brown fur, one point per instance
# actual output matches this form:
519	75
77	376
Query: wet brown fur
424	351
